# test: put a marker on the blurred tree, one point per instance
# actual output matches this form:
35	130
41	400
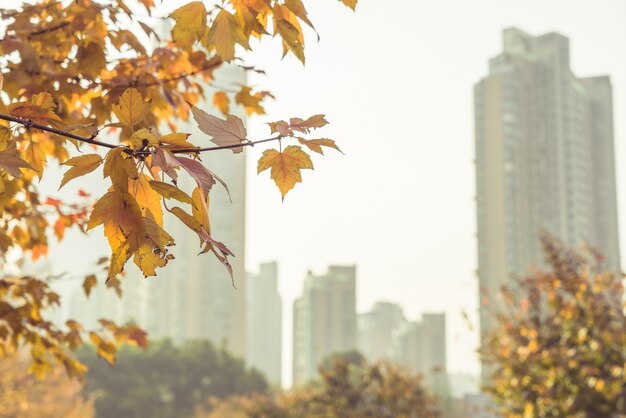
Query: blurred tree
345	390
559	349
22	395
166	381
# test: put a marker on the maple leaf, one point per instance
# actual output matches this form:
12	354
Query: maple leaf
298	125
285	166
80	165
225	32
166	162
251	102
221	101
195	226
350	3
137	336
36	156
287	26
131	109
170	192
200	208
147	198
200	173
175	140
190	24
89	283
316	145
304	126
40	109
120	167
142	138
297	7
224	132
121	216
12	164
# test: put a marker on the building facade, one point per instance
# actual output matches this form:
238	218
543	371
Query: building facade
264	322
420	347
376	330
324	320
544	161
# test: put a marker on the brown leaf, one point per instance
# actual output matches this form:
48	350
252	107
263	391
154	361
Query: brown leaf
224	132
89	283
12	164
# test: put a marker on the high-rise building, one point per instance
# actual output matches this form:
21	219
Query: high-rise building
194	297
324	320
544	160
264	322
421	348
376	329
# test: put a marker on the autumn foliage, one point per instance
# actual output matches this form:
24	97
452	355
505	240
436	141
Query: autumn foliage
23	395
98	86
559	349
345	390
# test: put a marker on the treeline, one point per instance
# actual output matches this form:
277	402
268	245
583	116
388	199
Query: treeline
166	380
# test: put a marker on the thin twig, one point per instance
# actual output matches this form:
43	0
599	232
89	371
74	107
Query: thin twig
30	124
91	140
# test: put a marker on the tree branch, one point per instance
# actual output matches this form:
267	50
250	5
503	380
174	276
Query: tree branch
91	140
30	124
212	65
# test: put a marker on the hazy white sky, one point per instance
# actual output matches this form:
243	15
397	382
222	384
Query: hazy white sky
395	80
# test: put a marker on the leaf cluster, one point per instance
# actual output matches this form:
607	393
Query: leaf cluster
559	347
345	390
93	85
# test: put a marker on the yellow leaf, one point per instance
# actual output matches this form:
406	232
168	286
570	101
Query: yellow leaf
287	26
200	208
221	101
190	23
142	138
81	165
131	109
176	140
285	166
316	145
120	167
528	410
297	7
147	260
147	198
120	214
170	192
251	102
36	157
350	3
225	32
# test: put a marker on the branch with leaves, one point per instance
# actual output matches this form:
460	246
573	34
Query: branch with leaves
73	70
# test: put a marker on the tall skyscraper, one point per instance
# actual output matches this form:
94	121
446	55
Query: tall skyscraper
324	320
264	322
193	297
544	160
